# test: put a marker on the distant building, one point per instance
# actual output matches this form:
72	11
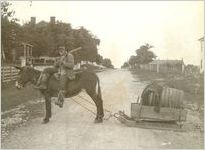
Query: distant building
175	66
52	20
33	20
201	40
27	56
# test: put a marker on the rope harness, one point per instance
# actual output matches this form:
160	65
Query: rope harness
116	115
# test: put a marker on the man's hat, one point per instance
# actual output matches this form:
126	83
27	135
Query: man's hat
61	48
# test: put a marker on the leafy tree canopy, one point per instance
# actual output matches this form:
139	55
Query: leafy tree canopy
46	37
125	65
144	55
107	63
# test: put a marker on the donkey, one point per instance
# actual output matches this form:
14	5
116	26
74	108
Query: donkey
84	80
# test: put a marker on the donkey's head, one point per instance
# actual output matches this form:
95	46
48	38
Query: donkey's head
26	74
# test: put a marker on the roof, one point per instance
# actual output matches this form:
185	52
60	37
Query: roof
167	62
23	43
47	57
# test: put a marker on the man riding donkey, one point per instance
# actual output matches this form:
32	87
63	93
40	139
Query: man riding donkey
64	66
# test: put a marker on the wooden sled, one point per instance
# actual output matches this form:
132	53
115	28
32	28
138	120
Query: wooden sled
149	124
145	117
149	114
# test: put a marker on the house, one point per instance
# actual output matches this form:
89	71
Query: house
174	66
201	40
26	54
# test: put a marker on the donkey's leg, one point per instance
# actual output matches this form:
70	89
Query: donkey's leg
48	109
99	104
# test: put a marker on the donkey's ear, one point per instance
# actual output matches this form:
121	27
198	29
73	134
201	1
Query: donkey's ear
18	67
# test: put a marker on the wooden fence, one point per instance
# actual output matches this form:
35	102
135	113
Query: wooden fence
42	62
8	74
172	68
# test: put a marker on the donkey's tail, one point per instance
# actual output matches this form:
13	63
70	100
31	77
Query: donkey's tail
99	89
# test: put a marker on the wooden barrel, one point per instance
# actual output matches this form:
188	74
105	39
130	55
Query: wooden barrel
172	98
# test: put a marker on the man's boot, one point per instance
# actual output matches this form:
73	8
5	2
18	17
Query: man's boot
42	82
60	100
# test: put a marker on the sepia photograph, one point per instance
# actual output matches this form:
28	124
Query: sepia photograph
102	74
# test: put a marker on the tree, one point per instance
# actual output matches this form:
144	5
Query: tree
133	60
191	69
47	37
99	59
107	63
7	14
125	65
9	29
144	55
88	42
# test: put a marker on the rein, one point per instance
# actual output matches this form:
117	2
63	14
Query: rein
111	114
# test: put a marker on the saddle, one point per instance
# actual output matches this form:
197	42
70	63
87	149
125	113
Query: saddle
71	75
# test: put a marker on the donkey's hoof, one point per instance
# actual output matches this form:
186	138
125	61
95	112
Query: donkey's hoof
45	121
98	120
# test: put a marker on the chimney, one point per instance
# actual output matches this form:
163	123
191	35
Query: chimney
33	20
52	19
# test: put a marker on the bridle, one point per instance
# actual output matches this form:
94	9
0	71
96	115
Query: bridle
20	84
35	79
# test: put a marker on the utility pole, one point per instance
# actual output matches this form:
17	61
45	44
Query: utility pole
30	3
13	41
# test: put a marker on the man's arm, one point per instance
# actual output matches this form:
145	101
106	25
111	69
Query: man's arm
69	62
57	62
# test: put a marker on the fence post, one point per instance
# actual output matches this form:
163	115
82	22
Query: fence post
2	71
10	73
157	67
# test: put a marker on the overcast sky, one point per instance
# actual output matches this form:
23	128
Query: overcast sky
173	28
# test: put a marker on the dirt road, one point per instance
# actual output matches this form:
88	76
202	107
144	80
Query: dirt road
72	126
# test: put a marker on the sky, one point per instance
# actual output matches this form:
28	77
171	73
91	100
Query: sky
172	27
